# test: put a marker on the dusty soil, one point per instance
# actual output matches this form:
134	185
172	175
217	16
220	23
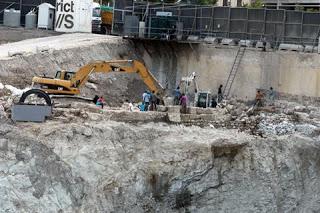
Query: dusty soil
8	35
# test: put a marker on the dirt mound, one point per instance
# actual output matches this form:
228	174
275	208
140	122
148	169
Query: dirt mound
116	88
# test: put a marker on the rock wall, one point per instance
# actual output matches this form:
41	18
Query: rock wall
118	167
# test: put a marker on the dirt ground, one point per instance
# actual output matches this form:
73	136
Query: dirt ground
8	34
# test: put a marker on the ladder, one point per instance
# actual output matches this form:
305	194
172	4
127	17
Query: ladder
233	72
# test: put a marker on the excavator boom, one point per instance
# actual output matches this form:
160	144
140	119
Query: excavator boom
67	83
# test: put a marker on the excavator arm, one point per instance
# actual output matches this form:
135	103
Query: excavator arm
73	85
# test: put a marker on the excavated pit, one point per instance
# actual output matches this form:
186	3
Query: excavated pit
84	159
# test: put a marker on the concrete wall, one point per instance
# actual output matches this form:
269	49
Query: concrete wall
161	58
288	72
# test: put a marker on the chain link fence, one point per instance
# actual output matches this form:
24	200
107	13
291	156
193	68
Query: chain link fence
181	22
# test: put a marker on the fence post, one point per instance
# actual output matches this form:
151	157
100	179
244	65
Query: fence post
319	45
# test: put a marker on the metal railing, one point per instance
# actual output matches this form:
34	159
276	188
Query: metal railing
1	21
273	26
6	8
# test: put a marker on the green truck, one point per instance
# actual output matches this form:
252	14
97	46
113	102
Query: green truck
102	19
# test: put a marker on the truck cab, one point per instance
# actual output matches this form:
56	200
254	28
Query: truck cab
96	18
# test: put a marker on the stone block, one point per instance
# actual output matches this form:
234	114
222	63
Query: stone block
310	49
228	41
41	49
193	38
245	43
204	110
260	45
174	109
192	110
161	108
211	40
174	117
13	53
291	47
168	101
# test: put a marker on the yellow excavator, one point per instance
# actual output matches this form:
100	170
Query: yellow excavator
69	83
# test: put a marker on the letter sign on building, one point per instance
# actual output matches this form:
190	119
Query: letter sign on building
73	15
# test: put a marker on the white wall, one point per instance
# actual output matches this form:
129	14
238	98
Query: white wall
73	16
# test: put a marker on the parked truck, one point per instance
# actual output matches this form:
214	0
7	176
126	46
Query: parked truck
101	19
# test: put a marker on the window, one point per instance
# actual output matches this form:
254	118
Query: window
68	75
58	75
96	12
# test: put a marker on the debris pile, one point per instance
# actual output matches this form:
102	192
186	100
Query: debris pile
283	118
118	159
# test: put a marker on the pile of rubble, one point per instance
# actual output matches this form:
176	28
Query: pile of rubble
280	118
84	159
118	160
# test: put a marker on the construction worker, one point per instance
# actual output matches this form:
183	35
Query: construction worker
183	103
154	101
264	43
271	94
220	96
100	102
177	95
130	105
259	98
213	102
146	100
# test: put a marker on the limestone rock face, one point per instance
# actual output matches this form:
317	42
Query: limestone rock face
155	167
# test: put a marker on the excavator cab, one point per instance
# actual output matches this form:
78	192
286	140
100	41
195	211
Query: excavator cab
64	75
